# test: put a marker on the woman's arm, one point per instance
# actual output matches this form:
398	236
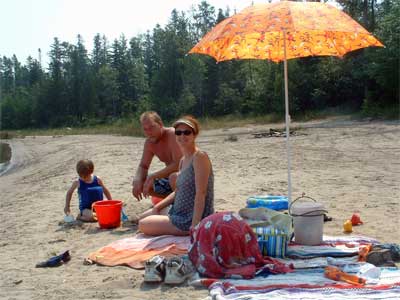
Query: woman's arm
165	202
156	209
202	170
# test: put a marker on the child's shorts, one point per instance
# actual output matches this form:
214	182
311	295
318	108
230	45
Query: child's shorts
161	186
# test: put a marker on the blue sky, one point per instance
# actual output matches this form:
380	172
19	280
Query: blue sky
26	25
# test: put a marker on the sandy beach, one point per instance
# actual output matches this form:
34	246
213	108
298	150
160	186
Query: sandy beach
349	166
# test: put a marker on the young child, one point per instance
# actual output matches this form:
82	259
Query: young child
90	189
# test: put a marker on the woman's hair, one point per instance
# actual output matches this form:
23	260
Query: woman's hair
84	167
190	121
151	115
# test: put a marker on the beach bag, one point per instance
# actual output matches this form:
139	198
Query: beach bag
273	229
272	241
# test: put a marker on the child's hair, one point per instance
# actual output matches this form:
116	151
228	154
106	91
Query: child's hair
84	167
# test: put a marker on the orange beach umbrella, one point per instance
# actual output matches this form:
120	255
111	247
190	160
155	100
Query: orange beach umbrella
285	30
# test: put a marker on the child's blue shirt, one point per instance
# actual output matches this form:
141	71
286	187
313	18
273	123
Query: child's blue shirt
89	193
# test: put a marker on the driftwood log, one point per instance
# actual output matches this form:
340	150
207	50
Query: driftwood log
275	133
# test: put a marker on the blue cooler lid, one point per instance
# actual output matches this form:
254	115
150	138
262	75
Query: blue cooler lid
276	202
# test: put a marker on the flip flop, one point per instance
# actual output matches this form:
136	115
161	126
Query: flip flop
55	261
380	257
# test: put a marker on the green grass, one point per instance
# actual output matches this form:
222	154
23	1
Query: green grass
131	126
238	121
120	127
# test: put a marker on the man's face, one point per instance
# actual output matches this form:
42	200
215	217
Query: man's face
151	129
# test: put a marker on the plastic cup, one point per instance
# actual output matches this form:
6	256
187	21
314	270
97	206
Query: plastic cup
69	219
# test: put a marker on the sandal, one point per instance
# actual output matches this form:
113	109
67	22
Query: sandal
55	261
178	270
380	257
154	269
394	250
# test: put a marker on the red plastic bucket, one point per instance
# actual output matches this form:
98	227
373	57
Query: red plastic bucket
155	200
108	213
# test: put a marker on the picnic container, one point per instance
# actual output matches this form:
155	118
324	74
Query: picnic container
108	213
308	221
268	201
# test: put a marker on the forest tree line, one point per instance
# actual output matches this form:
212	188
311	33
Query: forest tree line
152	71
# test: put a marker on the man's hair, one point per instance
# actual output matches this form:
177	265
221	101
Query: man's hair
151	115
84	167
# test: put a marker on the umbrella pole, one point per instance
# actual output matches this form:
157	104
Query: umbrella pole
287	119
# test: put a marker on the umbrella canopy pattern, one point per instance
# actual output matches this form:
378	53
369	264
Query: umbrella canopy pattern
310	29
281	31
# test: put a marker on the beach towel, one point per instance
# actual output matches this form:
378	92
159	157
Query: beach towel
306	278
134	251
332	246
222	292
331	250
360	239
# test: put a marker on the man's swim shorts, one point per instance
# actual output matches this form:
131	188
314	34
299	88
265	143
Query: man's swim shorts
161	186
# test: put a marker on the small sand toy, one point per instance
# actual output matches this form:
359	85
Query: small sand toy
69	219
335	273
347	226
356	220
155	200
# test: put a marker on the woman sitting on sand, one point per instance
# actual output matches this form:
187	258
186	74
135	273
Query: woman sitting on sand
193	198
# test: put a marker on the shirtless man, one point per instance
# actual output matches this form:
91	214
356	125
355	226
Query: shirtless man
161	142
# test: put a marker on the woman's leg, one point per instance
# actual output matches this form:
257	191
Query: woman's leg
159	225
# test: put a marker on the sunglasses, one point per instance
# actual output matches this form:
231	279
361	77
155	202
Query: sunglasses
185	132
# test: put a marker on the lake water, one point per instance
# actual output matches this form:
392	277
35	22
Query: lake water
5	156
